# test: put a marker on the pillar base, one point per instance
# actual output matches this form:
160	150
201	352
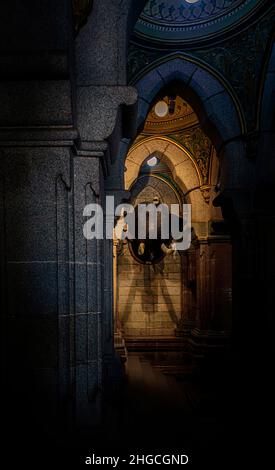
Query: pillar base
184	327
204	343
120	347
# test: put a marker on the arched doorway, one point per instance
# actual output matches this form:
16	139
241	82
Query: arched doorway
183	301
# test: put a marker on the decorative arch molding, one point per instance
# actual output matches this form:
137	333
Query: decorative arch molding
157	183
183	167
206	91
170	152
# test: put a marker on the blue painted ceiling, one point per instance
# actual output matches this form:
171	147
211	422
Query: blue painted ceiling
181	11
180	20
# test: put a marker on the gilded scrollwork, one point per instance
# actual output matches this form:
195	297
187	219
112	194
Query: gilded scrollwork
240	61
199	146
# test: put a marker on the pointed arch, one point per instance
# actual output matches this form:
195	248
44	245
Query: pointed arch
204	90
183	167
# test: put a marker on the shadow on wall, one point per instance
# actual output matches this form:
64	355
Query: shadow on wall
149	295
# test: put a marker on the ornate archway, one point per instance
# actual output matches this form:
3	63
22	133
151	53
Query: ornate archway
184	169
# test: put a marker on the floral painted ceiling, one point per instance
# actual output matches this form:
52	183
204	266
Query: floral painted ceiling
177	115
186	20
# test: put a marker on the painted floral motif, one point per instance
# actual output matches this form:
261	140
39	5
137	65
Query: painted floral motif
199	145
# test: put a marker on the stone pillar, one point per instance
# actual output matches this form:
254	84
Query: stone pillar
214	292
265	234
36	138
188	319
105	117
37	275
88	293
115	272
203	283
59	136
251	216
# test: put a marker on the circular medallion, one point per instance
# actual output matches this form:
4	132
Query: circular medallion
161	109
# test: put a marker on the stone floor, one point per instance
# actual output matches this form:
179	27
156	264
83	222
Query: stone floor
165	409
213	417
